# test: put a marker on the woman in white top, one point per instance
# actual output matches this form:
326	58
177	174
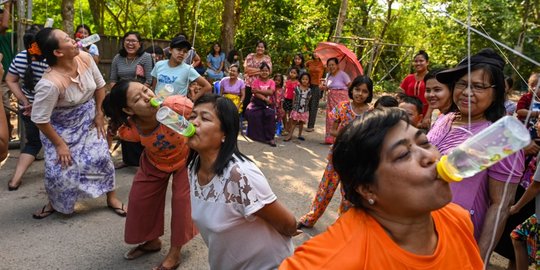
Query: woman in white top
234	208
67	111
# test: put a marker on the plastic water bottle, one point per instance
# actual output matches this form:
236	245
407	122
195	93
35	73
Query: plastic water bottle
48	23
503	138
88	41
175	121
161	94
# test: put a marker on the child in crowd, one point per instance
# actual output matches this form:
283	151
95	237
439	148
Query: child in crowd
277	99
509	105
165	154
400	96
360	94
298	62
193	89
525	237
300	111
385	102
291	83
413	107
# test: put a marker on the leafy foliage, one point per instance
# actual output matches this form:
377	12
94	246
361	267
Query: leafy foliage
291	26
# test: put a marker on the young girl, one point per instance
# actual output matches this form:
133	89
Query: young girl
165	154
290	84
277	99
298	62
361	94
300	111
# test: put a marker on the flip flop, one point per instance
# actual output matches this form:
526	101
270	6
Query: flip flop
119	211
43	213
161	267
139	251
301	138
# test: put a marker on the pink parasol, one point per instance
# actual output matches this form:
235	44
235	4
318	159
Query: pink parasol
346	58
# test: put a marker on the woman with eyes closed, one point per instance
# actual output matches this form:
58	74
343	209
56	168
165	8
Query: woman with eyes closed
164	157
402	216
67	109
239	216
479	105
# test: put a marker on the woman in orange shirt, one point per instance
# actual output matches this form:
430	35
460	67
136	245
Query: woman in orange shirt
315	68
403	218
165	154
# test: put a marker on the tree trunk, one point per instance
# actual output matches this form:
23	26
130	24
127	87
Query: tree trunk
341	18
228	26
96	7
181	6
68	12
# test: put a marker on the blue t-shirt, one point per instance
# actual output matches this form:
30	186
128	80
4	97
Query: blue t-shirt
179	77
215	61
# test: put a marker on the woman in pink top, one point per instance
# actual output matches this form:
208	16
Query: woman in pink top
251	68
479	105
336	84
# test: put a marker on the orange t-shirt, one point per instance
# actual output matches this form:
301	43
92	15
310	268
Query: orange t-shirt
316	70
166	149
357	241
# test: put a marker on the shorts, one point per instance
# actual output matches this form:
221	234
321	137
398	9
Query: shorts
287	105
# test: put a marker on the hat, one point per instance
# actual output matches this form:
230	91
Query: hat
485	56
180	42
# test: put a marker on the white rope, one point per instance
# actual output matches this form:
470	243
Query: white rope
151	31
196	23
469	93
81	12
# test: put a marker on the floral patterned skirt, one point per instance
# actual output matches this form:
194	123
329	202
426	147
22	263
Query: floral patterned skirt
91	173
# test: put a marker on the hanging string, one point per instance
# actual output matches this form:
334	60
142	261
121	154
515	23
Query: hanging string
196	23
151	30
469	90
81	12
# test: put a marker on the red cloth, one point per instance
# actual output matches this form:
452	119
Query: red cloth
524	103
415	88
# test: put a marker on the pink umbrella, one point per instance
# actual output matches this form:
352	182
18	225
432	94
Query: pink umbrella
347	60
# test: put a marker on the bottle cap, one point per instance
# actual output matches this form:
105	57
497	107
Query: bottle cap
155	103
443	171
190	130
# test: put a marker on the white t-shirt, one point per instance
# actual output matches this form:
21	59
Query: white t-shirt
223	211
179	77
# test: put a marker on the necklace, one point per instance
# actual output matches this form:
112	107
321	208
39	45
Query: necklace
132	60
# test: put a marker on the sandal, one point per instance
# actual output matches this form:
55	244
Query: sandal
44	213
139	251
161	267
301	138
119	211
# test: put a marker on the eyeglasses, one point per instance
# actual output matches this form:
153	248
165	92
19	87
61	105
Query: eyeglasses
132	41
478	88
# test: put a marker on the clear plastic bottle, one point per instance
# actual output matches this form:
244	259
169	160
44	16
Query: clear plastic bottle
161	94
88	40
48	23
501	139
175	121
